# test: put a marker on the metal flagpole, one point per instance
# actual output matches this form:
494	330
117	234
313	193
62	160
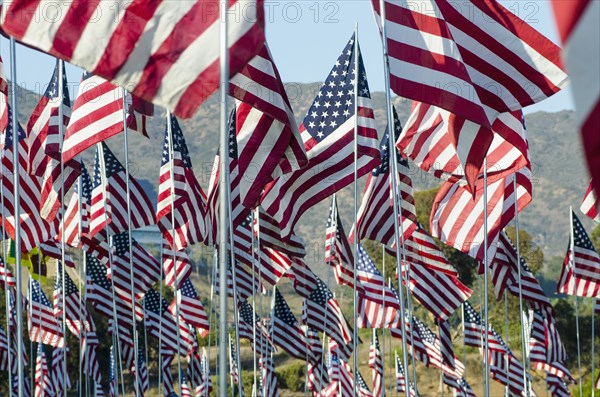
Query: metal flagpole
231	371
61	128
16	195
506	357
572	253
334	216
486	346
223	196
382	344
254	287
392	363
172	192
464	344
160	286
210	313
593	348
136	374
520	282
7	303
398	240
355	243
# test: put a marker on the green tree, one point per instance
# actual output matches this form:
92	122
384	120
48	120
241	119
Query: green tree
530	252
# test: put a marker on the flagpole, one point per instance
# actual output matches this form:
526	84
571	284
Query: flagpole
593	348
355	243
523	347
464	344
572	254
506	357
382	346
231	371
6	293
16	195
160	286
254	287
223	195
486	346
334	217
61	132
130	240
210	314
261	294
398	226
172	192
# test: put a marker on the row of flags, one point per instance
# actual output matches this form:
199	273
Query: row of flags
300	166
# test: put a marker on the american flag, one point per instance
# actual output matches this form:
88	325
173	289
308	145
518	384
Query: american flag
577	21
338	251
446	343
507	370
4	350
376	212
145	268
585	261
181	208
438	292
328	135
361	386
43	327
579	275
317	371
3	99
433	349
6	275
234	371
34	228
259	85
340	374
77	317
206	387
59	376
167	358
452	148
475	328
590	204
52	249
268	377
76	219
247	282
171	55
460	385
446	46
176	265
98	115
557	386
163	325
239	213
43	375
376	365
267	230
287	332
546	350
194	367
100	294
98	390
112	376
190	308
322	312
89	360
505	274
141	375
43	138
378	303
185	388
250	324
304	280
401	380
421	249
109	197
466	233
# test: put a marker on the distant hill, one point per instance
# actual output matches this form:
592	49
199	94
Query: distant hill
560	177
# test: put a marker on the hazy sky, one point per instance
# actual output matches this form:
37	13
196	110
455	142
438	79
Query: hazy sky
306	38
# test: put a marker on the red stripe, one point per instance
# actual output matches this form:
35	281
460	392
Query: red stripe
76	20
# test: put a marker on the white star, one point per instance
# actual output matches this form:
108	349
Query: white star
313	114
327	105
338	104
336	114
329	94
333	124
311	125
320	133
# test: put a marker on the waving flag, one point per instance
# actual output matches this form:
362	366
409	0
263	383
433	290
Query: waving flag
170	57
249	325
190	308
44	145
267	230
98	115
557	386
42	326
177	265
234	372
328	136
421	249
76	219
590	204
268	377
452	148
546	351
378	303
77	317
181	208
490	53
6	275
338	251
5	350
577	21
3	98
457	218
109	197
322	312
34	228
376	212
376	365
59	376
141	375
43	375
163	325
581	268
286	330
